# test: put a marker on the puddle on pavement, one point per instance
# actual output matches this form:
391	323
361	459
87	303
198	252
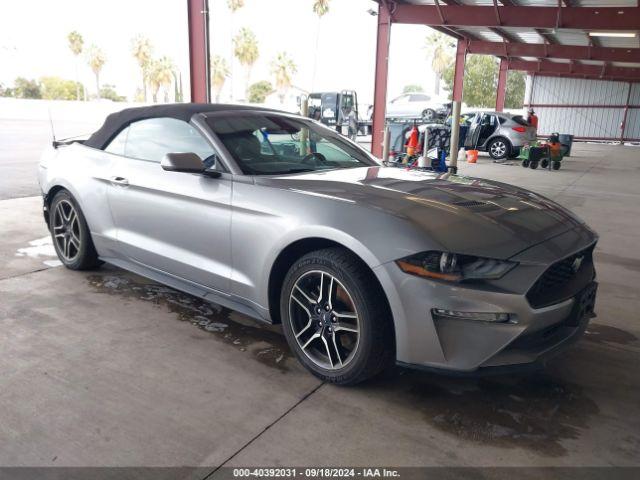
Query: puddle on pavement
605	334
532	411
264	343
39	248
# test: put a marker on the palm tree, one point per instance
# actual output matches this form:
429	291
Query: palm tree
160	75
283	68
440	49
76	42
219	73
142	50
96	60
320	8
245	48
234	6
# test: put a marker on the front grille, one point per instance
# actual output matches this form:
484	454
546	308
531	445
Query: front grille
562	280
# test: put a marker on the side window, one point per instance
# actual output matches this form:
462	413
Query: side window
420	98
153	138
116	146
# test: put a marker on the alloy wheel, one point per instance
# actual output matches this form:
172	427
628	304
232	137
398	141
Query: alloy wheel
498	149
324	319
66	230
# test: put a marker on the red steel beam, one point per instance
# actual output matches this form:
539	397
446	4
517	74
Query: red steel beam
581	105
501	94
581	18
546	67
458	76
571	52
198	21
381	77
609	78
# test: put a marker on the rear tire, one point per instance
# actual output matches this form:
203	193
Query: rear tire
428	115
533	165
556	165
499	148
70	233
336	318
544	163
525	163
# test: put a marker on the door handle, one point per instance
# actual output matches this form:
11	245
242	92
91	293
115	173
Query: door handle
119	181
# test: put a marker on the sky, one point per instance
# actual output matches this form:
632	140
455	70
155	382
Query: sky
33	42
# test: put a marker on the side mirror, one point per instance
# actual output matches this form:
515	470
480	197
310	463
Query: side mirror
182	162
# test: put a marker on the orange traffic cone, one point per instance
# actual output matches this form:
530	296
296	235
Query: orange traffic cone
412	144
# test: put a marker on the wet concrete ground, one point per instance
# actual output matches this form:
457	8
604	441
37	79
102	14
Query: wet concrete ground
106	368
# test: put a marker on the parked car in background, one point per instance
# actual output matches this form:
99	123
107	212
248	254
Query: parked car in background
417	105
498	133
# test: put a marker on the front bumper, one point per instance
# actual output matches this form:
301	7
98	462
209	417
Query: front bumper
465	346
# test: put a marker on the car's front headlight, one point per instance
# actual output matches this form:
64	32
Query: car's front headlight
453	267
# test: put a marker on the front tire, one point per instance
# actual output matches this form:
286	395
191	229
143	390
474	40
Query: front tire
70	233
336	318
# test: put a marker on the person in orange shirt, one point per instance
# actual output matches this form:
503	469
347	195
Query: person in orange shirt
532	119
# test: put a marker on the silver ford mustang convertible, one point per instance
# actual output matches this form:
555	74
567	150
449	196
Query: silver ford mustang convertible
281	218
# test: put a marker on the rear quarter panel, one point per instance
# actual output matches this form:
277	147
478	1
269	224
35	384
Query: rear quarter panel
84	172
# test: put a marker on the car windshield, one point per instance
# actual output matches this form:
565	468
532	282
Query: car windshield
271	144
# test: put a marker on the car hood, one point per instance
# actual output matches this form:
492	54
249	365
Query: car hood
465	215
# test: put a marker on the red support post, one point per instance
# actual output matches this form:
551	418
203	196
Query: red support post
458	76
502	84
198	19
381	77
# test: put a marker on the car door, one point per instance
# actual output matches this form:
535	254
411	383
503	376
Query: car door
178	223
398	106
473	134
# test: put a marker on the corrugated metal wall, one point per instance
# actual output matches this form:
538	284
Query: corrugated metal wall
554	99
632	129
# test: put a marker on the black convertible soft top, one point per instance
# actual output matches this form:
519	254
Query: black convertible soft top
118	121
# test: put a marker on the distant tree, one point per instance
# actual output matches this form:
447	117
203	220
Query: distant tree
259	91
56	88
440	49
160	75
320	8
283	68
109	92
219	73
412	89
177	83
480	80
515	89
245	48
5	91
76	43
25	88
142	50
235	5
96	60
